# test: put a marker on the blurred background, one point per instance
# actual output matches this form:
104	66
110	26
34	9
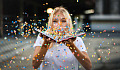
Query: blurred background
100	19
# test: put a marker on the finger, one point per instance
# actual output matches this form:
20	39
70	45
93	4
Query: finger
41	35
40	29
74	39
70	40
52	40
65	42
49	39
44	36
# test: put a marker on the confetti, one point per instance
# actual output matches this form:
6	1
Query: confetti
99	59
22	58
23	49
8	39
5	38
1	42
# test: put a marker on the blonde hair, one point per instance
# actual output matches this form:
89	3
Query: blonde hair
65	13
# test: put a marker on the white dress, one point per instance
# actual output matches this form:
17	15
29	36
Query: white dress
60	57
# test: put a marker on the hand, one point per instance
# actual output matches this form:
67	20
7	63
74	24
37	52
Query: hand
47	40
69	42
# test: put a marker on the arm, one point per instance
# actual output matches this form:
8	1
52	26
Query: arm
39	55
40	52
81	56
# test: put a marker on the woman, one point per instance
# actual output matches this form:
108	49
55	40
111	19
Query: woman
50	55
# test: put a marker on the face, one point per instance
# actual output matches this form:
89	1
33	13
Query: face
59	22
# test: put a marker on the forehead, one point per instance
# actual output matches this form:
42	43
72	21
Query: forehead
58	15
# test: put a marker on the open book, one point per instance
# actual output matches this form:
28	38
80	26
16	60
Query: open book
62	38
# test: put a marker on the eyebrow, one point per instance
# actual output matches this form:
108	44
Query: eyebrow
63	18
56	18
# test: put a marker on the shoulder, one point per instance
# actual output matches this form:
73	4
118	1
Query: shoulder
80	44
39	38
79	39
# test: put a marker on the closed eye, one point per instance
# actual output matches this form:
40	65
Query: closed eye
63	21
54	21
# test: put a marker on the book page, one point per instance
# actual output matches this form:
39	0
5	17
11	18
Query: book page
57	37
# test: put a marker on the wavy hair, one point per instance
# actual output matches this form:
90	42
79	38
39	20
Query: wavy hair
65	13
67	16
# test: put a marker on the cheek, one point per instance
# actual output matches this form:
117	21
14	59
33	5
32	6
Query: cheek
64	24
55	24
